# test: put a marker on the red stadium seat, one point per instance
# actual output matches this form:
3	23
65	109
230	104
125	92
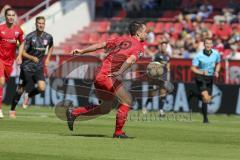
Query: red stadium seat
103	26
159	28
84	38
94	38
150	24
168	27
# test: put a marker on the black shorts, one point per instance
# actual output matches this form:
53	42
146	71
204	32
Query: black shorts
29	79
204	83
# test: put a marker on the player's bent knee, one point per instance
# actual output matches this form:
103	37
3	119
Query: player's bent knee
2	82
41	88
20	90
127	102
206	97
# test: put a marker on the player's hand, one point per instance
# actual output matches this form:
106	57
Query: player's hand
205	73
47	61
114	74
19	60
216	74
35	59
76	51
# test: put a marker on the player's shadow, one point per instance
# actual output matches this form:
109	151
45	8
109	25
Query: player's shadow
92	135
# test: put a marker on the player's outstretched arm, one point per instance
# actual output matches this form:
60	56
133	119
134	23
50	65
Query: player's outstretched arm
91	48
20	53
127	64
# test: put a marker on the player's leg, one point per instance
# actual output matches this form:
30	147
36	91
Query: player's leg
104	92
163	94
151	93
41	85
2	82
31	91
18	93
206	98
5	72
166	87
125	100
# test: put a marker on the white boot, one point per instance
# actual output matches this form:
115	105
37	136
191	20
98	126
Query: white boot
25	101
1	114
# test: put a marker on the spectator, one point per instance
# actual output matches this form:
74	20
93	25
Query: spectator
151	36
219	46
201	13
235	47
133	5
150	51
228	12
236	19
223	31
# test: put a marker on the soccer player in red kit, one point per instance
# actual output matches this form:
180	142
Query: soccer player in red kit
123	52
10	33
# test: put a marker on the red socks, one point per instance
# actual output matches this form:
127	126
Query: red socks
121	118
87	111
1	96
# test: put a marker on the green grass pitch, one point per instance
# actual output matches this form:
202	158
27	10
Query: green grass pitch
37	134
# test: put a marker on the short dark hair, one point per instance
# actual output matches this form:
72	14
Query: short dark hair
134	27
7	10
163	42
40	17
207	39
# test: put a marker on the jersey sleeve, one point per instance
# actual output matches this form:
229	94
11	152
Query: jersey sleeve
137	52
21	36
50	41
27	44
195	61
111	43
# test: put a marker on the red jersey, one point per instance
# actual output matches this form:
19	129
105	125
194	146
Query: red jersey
119	49
8	42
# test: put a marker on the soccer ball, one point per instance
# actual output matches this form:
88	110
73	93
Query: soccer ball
155	69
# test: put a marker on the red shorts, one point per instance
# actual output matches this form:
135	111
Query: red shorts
5	70
106	86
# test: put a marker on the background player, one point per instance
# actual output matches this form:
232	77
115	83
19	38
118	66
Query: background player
206	65
10	34
32	68
123	53
163	57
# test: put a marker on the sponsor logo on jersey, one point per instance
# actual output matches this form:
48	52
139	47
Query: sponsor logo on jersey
40	49
140	54
45	42
10	40
16	34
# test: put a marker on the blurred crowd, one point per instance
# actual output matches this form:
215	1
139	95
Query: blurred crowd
194	27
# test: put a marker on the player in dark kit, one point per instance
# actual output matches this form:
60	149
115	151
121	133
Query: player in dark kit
10	34
32	68
123	52
165	86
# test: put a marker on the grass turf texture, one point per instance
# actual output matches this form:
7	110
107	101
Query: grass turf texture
37	134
